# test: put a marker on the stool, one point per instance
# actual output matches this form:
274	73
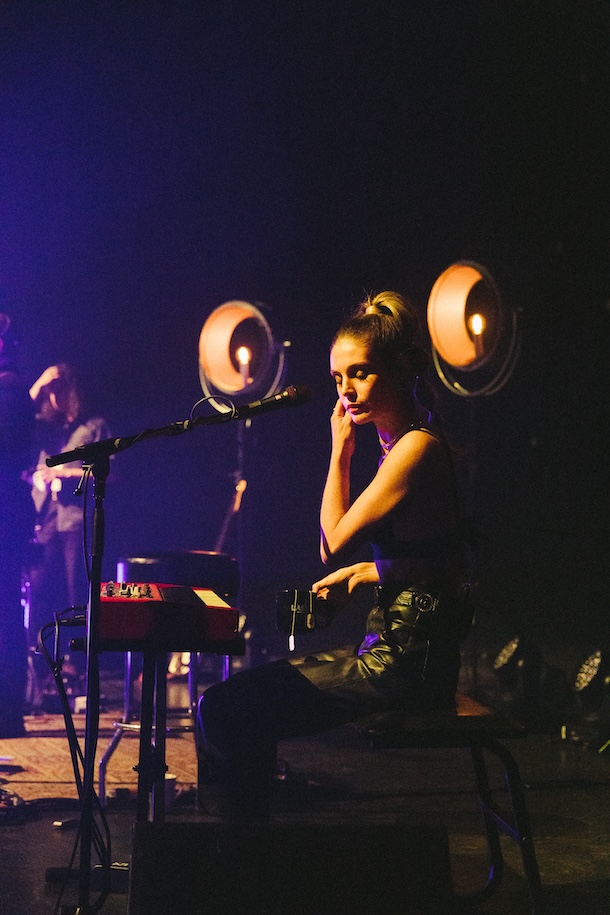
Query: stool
152	727
151	766
127	723
478	728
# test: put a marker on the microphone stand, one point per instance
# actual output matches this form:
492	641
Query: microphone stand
96	459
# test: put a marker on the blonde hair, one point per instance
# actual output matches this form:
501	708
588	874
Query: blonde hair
390	303
387	323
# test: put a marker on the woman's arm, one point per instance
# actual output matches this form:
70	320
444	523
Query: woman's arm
336	494
344	527
49	375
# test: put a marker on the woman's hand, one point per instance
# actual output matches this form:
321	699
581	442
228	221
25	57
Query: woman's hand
337	586
343	430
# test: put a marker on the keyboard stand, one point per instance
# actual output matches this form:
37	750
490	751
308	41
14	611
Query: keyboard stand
151	767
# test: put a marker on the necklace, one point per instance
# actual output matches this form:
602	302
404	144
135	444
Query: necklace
386	447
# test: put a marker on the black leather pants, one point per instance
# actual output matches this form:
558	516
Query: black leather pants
241	719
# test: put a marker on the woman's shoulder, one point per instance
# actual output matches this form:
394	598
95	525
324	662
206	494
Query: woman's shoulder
431	437
422	454
420	440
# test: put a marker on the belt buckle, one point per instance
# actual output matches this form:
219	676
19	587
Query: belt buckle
424	602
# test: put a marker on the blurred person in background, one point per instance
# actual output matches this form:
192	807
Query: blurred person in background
58	578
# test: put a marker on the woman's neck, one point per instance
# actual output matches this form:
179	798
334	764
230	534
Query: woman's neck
390	432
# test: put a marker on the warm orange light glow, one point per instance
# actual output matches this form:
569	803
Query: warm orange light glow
471	331
220	347
243	355
464	316
476	323
447	315
238	357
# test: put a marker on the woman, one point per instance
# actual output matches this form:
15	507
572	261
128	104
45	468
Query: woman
409	513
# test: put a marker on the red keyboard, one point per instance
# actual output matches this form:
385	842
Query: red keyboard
168	617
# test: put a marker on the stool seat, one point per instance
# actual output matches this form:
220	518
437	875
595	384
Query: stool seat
454	727
480	729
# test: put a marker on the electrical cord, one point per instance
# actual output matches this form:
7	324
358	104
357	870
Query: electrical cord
101	839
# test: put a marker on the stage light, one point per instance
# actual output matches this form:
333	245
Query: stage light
474	336
588	671
519	669
516	663
506	655
589	680
587	715
238	356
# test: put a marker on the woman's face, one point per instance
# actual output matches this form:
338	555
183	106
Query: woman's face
364	387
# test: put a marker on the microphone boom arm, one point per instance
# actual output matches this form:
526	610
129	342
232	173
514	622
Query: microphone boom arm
107	446
88	454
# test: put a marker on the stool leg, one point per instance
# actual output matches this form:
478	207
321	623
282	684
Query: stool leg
522	832
159	765
193	677
118	734
145	767
103	764
496	859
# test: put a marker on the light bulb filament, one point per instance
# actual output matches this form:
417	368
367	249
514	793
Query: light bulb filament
476	323
244	357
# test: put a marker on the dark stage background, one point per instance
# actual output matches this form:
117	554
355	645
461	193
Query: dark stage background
158	159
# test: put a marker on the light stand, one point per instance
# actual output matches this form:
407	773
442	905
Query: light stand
475	345
239	359
241	484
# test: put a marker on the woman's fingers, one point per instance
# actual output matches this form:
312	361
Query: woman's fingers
333	578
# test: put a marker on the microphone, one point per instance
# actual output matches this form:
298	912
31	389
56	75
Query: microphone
290	397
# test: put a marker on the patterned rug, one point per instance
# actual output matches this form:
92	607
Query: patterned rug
39	765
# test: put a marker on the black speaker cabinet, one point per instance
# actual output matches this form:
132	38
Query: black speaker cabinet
289	869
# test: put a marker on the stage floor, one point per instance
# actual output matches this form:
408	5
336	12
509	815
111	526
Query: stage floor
340	782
